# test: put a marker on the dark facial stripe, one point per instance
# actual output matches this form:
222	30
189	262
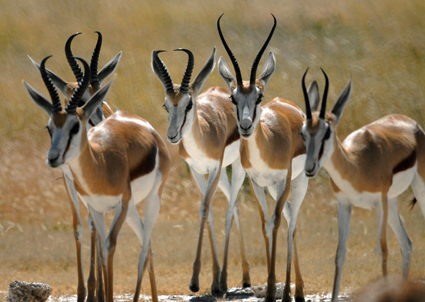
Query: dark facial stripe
407	163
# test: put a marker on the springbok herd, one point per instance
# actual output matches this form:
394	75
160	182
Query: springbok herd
113	161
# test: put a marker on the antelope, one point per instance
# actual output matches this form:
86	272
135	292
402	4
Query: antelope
67	88
114	165
272	154
204	128
370	168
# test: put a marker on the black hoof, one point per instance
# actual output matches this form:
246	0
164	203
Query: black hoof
194	288
245	285
299	299
217	293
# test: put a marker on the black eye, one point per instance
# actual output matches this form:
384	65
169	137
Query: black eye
165	107
327	134
232	99
260	97
189	105
48	130
75	129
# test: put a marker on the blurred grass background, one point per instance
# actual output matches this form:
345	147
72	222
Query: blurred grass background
381	44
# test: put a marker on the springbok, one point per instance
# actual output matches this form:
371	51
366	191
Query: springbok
67	89
273	155
370	168
204	127
114	165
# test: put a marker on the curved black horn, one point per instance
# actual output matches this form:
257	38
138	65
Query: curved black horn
260	54
56	103
82	86
71	60
306	100
166	79
231	56
325	96
184	87
94	80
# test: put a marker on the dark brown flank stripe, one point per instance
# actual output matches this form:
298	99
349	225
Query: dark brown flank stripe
407	163
149	166
234	136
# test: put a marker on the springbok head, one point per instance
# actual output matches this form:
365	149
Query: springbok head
180	99
318	131
247	96
67	125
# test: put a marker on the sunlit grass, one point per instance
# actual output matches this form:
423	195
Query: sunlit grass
380	44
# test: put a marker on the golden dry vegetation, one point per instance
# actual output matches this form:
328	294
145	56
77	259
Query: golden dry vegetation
381	44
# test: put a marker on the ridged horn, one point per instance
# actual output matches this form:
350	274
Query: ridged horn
306	99
325	96
260	54
166	78
71	60
56	103
231	56
184	87
82	86
94	80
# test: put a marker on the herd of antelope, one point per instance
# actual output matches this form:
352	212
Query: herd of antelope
113	161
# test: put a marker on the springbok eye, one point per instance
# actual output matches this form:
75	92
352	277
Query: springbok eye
165	107
327	134
232	99
75	129
260	97
189	105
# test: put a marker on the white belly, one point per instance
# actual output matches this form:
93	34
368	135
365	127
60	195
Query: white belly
401	181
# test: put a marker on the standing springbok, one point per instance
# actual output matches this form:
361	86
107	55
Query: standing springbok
272	153
67	89
204	127
114	165
370	168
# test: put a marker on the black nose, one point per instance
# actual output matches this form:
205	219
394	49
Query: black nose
245	124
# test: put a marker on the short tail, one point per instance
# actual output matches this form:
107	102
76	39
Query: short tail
412	203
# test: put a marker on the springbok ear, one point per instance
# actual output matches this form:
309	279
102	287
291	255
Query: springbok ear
268	69
57	80
342	101
225	73
205	72
39	99
313	96
109	67
95	101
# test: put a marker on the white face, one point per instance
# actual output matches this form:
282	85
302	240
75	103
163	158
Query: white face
247	110
65	141
180	117
319	144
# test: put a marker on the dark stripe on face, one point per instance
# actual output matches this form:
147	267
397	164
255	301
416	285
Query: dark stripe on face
322	149
407	163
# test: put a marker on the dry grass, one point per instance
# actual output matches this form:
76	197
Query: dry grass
379	43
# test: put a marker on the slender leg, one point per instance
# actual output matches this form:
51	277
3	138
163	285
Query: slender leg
152	206
283	193
208	191
262	209
299	189
344	215
91	282
136	224
100	294
231	192
382	211
400	232
78	231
